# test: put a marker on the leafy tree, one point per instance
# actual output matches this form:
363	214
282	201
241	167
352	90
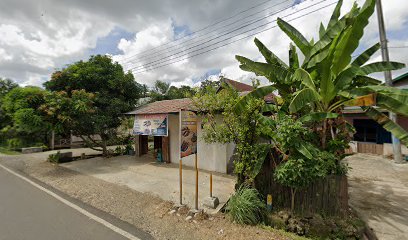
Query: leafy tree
328	79
208	83
21	105
6	85
223	125
110	90
63	112
314	93
163	91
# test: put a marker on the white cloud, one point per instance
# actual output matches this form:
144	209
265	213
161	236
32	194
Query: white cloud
37	37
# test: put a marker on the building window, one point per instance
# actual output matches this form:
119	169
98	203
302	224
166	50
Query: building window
368	130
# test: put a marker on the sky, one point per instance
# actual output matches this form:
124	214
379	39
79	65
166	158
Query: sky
38	37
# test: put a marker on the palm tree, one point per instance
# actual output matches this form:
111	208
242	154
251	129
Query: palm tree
328	79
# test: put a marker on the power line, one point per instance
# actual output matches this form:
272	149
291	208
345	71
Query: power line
220	20
212	49
157	62
398	47
169	49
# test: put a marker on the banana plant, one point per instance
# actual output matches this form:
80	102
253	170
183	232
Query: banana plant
329	79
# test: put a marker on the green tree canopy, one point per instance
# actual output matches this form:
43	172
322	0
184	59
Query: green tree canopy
21	105
6	85
163	91
114	93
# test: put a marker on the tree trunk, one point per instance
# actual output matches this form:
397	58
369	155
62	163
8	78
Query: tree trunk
52	143
324	130
292	204
104	148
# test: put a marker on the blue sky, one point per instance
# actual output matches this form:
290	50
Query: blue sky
109	43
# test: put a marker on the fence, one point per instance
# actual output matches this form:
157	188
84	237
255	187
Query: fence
327	196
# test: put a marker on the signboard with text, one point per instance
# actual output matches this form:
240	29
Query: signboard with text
188	133
151	124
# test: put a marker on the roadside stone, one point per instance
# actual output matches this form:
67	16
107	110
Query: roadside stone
188	218
211	202
220	232
172	212
194	221
31	150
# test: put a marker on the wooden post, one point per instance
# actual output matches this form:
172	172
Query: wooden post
210	184
181	181
196	186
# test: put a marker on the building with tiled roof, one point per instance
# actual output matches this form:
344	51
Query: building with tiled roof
165	106
211	157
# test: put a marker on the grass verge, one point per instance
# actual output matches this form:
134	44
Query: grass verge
7	151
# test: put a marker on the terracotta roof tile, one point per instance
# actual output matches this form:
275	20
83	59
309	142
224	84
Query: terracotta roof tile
240	87
165	106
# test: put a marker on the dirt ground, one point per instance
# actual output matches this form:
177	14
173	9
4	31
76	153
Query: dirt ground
379	193
145	175
144	211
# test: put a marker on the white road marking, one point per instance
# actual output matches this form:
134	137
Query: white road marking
74	206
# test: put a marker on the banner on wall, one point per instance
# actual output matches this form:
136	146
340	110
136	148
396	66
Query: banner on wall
188	133
151	124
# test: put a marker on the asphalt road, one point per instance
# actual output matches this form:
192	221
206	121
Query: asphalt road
27	212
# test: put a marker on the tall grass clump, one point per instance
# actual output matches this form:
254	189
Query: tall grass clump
246	206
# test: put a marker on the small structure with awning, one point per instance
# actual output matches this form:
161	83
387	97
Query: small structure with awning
178	135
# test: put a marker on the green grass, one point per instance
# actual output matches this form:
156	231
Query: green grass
7	151
246	207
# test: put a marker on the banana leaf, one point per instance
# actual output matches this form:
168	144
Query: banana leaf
387	124
380	67
300	41
349	43
317	116
258	93
366	55
303	98
269	56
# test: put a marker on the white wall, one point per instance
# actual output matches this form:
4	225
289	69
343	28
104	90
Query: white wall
388	151
211	157
387	148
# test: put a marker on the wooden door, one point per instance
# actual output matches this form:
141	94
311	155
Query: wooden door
145	144
166	149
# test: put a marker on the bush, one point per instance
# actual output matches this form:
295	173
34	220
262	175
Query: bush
246	206
14	143
119	151
54	158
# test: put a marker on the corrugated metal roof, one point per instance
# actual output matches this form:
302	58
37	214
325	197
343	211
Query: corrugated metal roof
165	106
401	77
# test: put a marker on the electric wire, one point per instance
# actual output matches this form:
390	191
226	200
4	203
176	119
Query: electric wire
220	46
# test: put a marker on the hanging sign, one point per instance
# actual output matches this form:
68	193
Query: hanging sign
151	124
188	133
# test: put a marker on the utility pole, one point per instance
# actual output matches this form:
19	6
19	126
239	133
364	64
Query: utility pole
396	145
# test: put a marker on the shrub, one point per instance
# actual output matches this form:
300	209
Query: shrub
246	206
119	150
14	143
54	158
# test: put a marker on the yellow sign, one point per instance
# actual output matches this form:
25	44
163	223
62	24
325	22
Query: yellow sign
366	100
269	199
